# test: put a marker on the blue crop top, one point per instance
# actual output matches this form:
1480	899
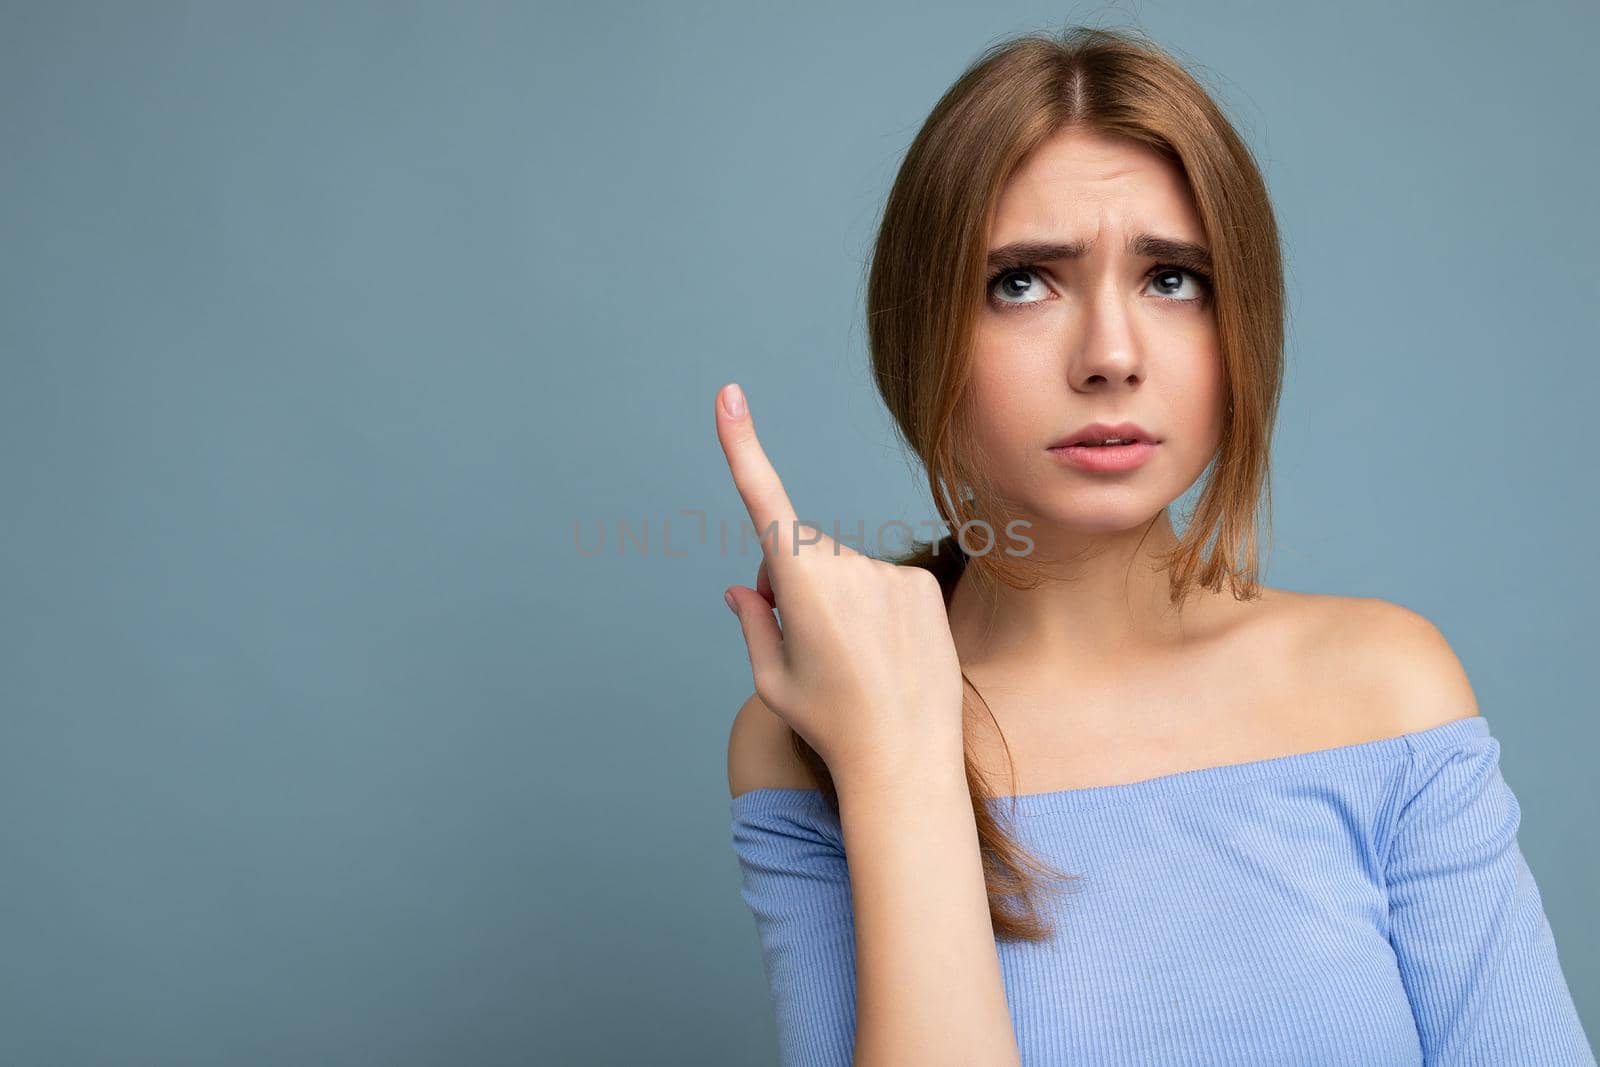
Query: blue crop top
1362	905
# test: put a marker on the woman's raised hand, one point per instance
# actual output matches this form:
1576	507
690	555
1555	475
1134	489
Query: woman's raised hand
863	667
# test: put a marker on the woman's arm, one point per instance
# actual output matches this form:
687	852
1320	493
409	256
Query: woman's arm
1475	950
1474	947
863	667
928	983
908	907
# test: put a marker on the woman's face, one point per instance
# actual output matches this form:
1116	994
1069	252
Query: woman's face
1118	330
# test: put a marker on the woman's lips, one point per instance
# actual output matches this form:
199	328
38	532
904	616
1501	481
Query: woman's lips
1104	457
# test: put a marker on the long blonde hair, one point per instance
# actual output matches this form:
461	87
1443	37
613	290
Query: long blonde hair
928	262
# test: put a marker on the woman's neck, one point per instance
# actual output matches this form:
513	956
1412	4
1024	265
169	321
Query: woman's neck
1107	600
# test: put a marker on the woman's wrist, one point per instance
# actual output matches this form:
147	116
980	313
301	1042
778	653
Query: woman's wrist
925	770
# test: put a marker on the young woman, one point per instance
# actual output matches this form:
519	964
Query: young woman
1238	825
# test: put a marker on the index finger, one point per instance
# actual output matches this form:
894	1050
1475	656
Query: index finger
753	474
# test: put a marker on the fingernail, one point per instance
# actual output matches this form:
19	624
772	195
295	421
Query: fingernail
733	401
727	595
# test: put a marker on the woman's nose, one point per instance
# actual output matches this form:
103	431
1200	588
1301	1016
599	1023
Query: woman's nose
1107	351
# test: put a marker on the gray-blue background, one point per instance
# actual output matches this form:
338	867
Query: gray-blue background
323	324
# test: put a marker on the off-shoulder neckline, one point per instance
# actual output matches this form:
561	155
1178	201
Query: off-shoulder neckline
1198	779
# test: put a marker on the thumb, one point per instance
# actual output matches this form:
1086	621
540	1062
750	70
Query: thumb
763	637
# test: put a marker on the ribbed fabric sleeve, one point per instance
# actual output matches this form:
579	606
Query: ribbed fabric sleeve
797	885
1366	904
1474	947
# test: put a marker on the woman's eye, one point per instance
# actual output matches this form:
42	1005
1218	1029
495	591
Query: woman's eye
1021	285
1006	285
1169	281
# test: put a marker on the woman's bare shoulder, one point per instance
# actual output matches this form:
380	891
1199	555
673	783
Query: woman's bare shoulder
1391	663
761	753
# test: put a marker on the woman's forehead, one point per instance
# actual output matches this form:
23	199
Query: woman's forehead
1073	187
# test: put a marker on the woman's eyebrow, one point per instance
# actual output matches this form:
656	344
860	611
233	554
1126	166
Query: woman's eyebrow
1153	246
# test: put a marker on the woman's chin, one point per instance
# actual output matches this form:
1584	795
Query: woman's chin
1097	521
